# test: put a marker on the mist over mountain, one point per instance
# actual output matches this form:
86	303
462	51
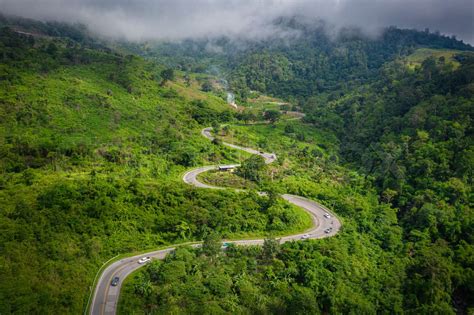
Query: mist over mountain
175	20
353	118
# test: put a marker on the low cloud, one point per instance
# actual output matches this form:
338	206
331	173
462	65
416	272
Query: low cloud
179	19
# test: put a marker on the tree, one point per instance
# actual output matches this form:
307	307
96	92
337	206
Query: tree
429	67
212	244
272	115
28	176
52	49
216	127
143	286
226	130
183	229
253	168
206	87
185	156
167	75
187	79
271	247
289	129
247	116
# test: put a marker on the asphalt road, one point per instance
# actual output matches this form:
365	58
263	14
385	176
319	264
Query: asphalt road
106	297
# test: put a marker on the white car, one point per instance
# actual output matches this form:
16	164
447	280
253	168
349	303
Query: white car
306	236
327	215
144	260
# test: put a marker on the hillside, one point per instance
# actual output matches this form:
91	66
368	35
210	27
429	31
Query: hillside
93	144
317	59
95	137
387	142
418	56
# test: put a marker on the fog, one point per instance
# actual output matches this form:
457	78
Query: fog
179	19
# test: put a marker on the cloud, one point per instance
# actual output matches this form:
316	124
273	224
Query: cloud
179	19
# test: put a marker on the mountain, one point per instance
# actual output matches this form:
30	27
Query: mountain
401	108
315	59
92	145
95	136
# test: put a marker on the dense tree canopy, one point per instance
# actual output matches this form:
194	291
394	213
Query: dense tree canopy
252	168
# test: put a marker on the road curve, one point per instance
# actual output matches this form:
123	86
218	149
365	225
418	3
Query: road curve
325	224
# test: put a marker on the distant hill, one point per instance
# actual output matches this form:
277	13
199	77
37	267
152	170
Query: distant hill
311	61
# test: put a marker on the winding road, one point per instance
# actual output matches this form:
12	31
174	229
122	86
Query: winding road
325	224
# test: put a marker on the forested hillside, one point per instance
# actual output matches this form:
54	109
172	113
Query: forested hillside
400	107
96	135
92	147
411	132
315	62
313	59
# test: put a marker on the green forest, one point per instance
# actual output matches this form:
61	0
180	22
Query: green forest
95	136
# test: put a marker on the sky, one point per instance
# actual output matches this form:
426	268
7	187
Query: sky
179	19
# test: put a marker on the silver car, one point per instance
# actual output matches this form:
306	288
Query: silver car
144	260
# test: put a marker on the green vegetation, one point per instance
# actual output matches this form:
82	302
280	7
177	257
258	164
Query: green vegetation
167	75
272	115
387	147
225	179
317	63
285	138
92	146
448	56
94	142
297	278
252	168
412	133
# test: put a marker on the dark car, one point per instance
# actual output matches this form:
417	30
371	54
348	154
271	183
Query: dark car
115	281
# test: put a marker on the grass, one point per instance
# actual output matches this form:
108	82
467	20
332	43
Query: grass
274	138
265	102
416	58
225	179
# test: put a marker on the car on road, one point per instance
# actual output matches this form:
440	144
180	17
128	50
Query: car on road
115	281
226	245
327	215
306	236
327	231
144	260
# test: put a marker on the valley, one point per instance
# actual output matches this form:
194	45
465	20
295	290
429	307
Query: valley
339	183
